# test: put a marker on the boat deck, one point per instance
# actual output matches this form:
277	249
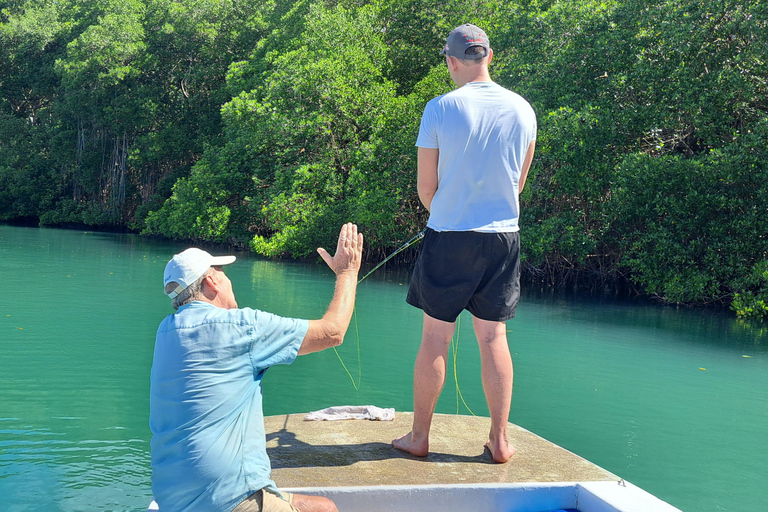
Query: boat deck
358	453
353	463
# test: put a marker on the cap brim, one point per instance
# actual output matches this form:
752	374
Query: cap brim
222	260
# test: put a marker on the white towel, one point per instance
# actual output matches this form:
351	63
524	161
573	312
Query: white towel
352	412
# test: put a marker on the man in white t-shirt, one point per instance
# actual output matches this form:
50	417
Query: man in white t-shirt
476	144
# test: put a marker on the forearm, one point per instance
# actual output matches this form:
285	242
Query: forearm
426	196
426	179
329	331
342	305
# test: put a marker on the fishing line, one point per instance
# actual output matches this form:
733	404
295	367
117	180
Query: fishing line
356	385
455	353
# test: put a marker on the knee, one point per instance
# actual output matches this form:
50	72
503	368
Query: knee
490	338
327	505
305	503
489	333
437	342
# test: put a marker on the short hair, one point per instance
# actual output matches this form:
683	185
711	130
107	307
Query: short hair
472	51
189	294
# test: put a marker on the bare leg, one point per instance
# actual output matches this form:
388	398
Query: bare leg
307	503
497	373
428	380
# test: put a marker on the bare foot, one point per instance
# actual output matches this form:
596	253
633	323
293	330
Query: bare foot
501	450
406	443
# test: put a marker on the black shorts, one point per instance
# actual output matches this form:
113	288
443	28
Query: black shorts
458	270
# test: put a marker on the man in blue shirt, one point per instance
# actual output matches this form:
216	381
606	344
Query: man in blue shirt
476	144
208	442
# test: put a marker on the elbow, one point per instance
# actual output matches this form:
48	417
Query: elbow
322	335
337	340
426	198
334	336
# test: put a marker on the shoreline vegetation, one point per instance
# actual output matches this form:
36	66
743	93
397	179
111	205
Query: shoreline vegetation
266	125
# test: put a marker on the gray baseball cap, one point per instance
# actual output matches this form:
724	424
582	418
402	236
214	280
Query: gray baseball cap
462	39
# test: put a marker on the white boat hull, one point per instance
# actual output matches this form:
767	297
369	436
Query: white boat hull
528	497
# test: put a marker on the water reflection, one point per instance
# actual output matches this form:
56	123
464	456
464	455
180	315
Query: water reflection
42	469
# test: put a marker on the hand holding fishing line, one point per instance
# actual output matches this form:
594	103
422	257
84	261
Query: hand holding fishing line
349	250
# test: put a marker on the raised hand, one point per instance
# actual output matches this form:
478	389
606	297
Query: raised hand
349	251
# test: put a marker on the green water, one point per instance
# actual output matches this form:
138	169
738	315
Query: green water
618	382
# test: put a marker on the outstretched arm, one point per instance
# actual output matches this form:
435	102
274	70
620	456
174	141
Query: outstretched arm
329	331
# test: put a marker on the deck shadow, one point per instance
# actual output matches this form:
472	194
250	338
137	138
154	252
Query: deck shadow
292	452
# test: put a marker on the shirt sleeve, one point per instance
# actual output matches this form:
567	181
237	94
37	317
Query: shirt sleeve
276	339
428	128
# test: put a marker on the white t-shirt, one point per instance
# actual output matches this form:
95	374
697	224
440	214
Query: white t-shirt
482	132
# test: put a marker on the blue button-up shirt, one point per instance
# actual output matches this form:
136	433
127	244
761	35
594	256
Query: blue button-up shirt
208	443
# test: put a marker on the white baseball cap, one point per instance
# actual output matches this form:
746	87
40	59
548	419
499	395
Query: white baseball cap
186	267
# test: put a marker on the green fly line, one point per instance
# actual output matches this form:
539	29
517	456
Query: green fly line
455	353
356	385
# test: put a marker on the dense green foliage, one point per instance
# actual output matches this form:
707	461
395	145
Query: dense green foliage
267	124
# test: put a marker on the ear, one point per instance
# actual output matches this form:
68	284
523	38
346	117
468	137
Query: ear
453	63
212	282
490	55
